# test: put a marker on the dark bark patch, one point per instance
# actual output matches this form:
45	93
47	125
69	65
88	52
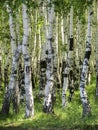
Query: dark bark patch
71	44
43	64
28	69
87	54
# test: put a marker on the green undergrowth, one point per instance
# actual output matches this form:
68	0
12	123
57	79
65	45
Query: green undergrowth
68	118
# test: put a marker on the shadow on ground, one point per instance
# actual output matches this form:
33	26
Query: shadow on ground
63	128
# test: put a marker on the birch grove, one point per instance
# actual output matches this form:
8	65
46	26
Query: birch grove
43	54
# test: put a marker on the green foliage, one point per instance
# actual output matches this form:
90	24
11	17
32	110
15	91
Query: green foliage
83	20
32	3
61	7
63	48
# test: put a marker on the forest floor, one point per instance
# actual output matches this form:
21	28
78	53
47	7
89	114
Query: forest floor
69	118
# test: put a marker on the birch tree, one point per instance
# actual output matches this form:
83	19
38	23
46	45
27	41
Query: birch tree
83	94
27	64
43	51
48	99
96	49
12	84
13	76
0	69
69	64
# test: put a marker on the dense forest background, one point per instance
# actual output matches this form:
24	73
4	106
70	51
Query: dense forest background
49	64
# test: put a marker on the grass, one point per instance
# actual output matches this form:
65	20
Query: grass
68	118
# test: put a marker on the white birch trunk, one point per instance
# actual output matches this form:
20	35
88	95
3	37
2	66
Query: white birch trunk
1	69
12	29
56	58
48	100
12	84
69	64
18	27
83	94
65	86
11	88
77	49
35	41
71	56
28	83
62	29
43	52
39	55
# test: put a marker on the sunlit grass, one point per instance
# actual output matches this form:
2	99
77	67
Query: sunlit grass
69	117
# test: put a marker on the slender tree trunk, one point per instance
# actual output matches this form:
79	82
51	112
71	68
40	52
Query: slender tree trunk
27	70
43	52
12	29
21	81
13	77
6	77
35	42
56	58
62	30
48	100
10	93
96	49
18	27
68	71
83	94
0	69
76	75
71	55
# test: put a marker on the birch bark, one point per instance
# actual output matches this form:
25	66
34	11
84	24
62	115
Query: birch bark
0	69
12	29
27	70
11	88
68	71
48	100
83	94
43	54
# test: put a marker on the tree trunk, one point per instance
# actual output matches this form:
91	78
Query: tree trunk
83	94
0	70
13	77
43	52
21	81
27	69
68	71
12	29
48	100
12	88
96	50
